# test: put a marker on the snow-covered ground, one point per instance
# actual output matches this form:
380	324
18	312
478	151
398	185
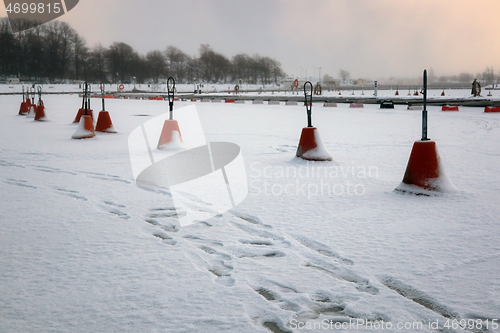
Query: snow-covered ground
315	246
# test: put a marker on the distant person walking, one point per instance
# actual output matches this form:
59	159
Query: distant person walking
476	88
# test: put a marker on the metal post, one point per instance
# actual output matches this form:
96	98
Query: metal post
424	112
39	88
89	92
171	92
85	97
102	95
33	94
308	102
376	89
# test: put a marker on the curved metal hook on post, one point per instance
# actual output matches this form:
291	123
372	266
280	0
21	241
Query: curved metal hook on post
33	94
308	101
171	92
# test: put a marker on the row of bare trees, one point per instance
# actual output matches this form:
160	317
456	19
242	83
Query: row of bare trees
46	51
487	77
54	52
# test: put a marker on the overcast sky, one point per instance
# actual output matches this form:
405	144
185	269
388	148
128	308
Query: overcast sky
369	38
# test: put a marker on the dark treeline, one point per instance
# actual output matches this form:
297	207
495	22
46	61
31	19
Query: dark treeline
54	52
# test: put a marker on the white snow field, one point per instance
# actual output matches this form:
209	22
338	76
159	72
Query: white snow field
315	246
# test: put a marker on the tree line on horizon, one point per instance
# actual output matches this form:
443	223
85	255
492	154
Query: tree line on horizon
55	52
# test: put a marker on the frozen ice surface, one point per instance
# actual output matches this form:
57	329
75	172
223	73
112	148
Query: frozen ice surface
83	249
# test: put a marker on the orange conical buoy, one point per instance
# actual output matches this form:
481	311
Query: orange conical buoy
85	128
80	113
85	109
492	109
40	108
449	108
23	109
104	123
424	172
40	113
31	112
423	165
170	137
311	147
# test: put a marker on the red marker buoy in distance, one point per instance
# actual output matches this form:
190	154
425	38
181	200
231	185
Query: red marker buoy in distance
104	123
85	128
31	105
85	109
40	108
23	108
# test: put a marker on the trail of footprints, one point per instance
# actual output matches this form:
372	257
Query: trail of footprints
259	242
108	206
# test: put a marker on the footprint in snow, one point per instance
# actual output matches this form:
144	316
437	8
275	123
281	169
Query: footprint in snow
112	208
71	194
165	238
10	164
304	306
323	250
344	274
165	218
20	183
51	170
216	262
